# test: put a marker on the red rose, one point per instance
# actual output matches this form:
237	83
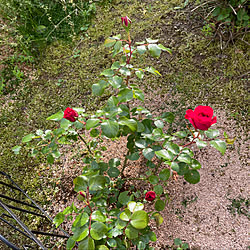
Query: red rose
150	196
201	118
125	21
70	114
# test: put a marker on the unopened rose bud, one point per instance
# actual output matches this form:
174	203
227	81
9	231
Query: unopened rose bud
82	194
126	23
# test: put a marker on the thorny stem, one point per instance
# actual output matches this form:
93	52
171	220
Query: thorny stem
124	165
86	144
91	211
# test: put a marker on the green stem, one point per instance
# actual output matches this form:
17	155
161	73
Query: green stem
124	165
86	144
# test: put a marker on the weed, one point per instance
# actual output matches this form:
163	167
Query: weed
239	205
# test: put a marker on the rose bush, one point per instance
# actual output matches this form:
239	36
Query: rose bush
201	118
112	214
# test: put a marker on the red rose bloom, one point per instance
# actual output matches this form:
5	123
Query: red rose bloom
70	114
201	118
126	21
150	196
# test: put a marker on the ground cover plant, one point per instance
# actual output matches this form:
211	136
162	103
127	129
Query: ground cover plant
112	214
35	24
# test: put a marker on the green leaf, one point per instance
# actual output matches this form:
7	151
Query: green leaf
164	48
159	205
65	124
115	65
141	49
135	206
113	172
183	157
70	243
80	233
125	71
174	148
117	48
98	216
56	117
109	42
141	245
181	168
125	95
148	153
192	176
124	198
219	145
126	215
91	123
177	241
149	40
50	159
101	247
98	230
16	149
80	220
140	74
168	117
134	156
153	179
158	218
131	232
94	132
28	138
164	174
154	50
138	94
98	88
195	164
107	72
159	124
81	183
97	183
139	219
116	82
153	71
141	143
201	144
110	128
164	154
87	244
112	242
114	162
59	219
212	133
181	134
158	189
131	123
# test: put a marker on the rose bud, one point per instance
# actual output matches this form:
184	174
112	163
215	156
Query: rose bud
126	22
150	196
201	118
70	114
82	194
